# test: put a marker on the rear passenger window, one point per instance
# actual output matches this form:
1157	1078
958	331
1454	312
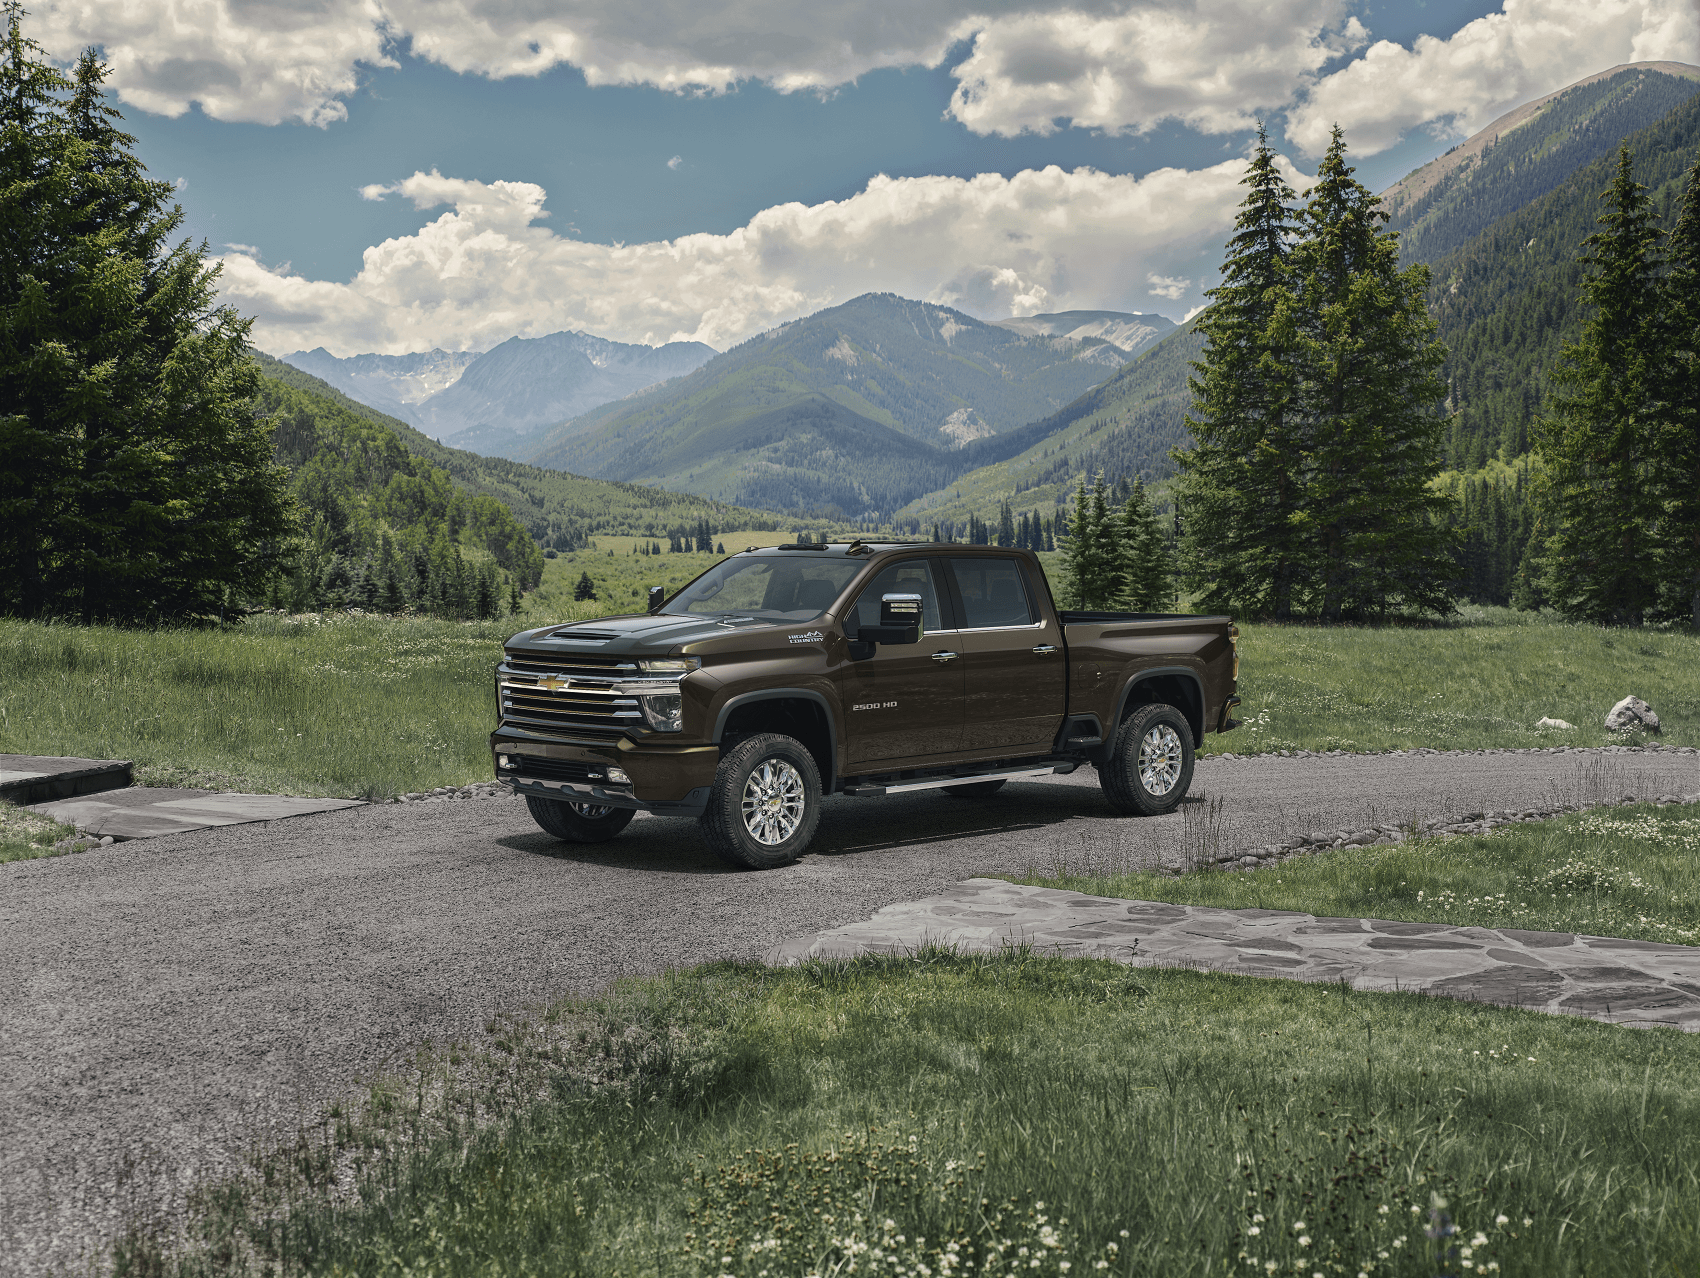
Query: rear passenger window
993	593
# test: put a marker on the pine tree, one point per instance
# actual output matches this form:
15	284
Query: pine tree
1094	549
1677	437
586	589
134	479
1242	479
1006	526
1145	558
1364	403
1598	442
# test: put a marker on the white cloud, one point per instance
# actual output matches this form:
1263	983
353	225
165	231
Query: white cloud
1167	286
675	162
992	246
1530	48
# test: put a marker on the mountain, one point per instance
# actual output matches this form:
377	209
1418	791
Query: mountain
559	510
1528	152
873	378
392	384
492	403
1130	331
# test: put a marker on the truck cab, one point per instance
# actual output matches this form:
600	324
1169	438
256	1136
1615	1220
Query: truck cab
788	673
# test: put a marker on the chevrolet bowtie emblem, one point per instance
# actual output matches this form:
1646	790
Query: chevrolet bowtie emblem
555	683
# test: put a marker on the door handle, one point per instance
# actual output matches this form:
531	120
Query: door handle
1044	650
942	657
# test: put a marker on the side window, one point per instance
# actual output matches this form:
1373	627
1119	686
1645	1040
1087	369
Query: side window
912	577
993	593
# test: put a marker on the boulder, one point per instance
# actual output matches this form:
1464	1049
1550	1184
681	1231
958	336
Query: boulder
1630	714
1557	723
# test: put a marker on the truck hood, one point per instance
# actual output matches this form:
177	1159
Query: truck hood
640	633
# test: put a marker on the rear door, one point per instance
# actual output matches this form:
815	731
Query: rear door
1016	675
903	705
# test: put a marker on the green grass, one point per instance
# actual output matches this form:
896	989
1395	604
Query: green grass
1630	871
25	834
1481	682
339	705
693	1125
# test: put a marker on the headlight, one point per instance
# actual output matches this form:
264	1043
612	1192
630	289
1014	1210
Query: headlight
670	665
664	711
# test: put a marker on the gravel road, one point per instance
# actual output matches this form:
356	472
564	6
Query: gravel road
166	1002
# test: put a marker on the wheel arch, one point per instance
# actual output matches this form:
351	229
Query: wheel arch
795	712
1178	686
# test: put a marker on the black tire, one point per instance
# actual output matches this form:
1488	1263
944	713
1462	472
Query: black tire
578	822
974	790
784	802
1160	736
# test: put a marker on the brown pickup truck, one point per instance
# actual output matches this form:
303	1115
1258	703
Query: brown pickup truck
870	668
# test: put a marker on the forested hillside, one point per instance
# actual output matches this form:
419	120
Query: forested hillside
1524	155
1506	301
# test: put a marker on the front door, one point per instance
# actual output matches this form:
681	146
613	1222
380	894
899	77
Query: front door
1016	669
903	705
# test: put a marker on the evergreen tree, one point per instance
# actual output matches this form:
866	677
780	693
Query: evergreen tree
134	478
1145	558
1242	479
1677	440
1598	443
1094	550
1365	403
586	589
1006	526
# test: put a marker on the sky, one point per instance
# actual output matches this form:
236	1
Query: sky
399	175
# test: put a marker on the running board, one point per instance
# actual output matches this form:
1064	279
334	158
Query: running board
938	783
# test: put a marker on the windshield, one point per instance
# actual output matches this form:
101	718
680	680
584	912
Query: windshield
767	587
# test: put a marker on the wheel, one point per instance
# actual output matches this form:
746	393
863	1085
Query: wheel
1151	766
765	804
578	822
974	789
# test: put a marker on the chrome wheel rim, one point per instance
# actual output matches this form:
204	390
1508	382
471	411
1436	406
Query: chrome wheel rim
1160	760
592	811
773	802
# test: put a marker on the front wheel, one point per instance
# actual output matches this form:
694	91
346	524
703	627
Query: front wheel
765	805
578	822
1150	768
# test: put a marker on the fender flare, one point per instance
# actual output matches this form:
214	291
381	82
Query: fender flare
788	694
1141	676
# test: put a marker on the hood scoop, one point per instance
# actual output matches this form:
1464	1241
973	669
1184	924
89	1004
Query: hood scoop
596	636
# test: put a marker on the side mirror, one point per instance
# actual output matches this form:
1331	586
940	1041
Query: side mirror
900	621
657	597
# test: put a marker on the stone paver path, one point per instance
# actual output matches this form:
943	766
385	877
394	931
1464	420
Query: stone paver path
1642	983
144	813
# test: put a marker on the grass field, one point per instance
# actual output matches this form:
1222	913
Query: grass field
949	1112
1628	871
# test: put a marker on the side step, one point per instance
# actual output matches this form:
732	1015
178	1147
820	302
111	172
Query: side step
972	778
1084	743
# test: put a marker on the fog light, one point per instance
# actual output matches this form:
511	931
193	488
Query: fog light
502	761
664	711
618	776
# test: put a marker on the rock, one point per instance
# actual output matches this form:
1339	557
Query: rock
1631	714
1555	723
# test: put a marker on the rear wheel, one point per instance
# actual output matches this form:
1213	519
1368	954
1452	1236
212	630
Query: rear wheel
974	789
1150	768
578	822
765	805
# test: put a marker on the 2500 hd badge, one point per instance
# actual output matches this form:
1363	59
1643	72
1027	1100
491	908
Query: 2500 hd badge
697	710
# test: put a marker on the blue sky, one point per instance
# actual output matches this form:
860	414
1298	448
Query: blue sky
521	143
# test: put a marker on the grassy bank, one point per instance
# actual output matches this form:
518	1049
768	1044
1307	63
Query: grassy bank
740	1120
23	834
1629	871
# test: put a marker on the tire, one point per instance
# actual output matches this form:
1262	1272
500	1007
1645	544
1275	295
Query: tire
765	804
974	790
578	822
1150	769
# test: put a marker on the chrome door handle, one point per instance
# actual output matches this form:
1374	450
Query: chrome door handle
1044	650
942	657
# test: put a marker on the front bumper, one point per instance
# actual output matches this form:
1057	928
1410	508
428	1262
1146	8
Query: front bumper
665	780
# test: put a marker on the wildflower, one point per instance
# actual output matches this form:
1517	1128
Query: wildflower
1383	1209
1527	1221
1304	1240
1298	1225
1254	1231
1480	1240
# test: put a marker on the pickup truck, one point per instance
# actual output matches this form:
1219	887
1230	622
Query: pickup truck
787	673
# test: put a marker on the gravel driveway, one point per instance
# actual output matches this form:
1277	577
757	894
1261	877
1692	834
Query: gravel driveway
168	1001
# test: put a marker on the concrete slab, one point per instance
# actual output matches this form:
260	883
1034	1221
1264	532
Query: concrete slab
27	779
143	813
1637	983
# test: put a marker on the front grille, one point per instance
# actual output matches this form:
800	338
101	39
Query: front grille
561	769
576	709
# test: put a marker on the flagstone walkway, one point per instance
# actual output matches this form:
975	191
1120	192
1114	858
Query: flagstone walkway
1640	983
